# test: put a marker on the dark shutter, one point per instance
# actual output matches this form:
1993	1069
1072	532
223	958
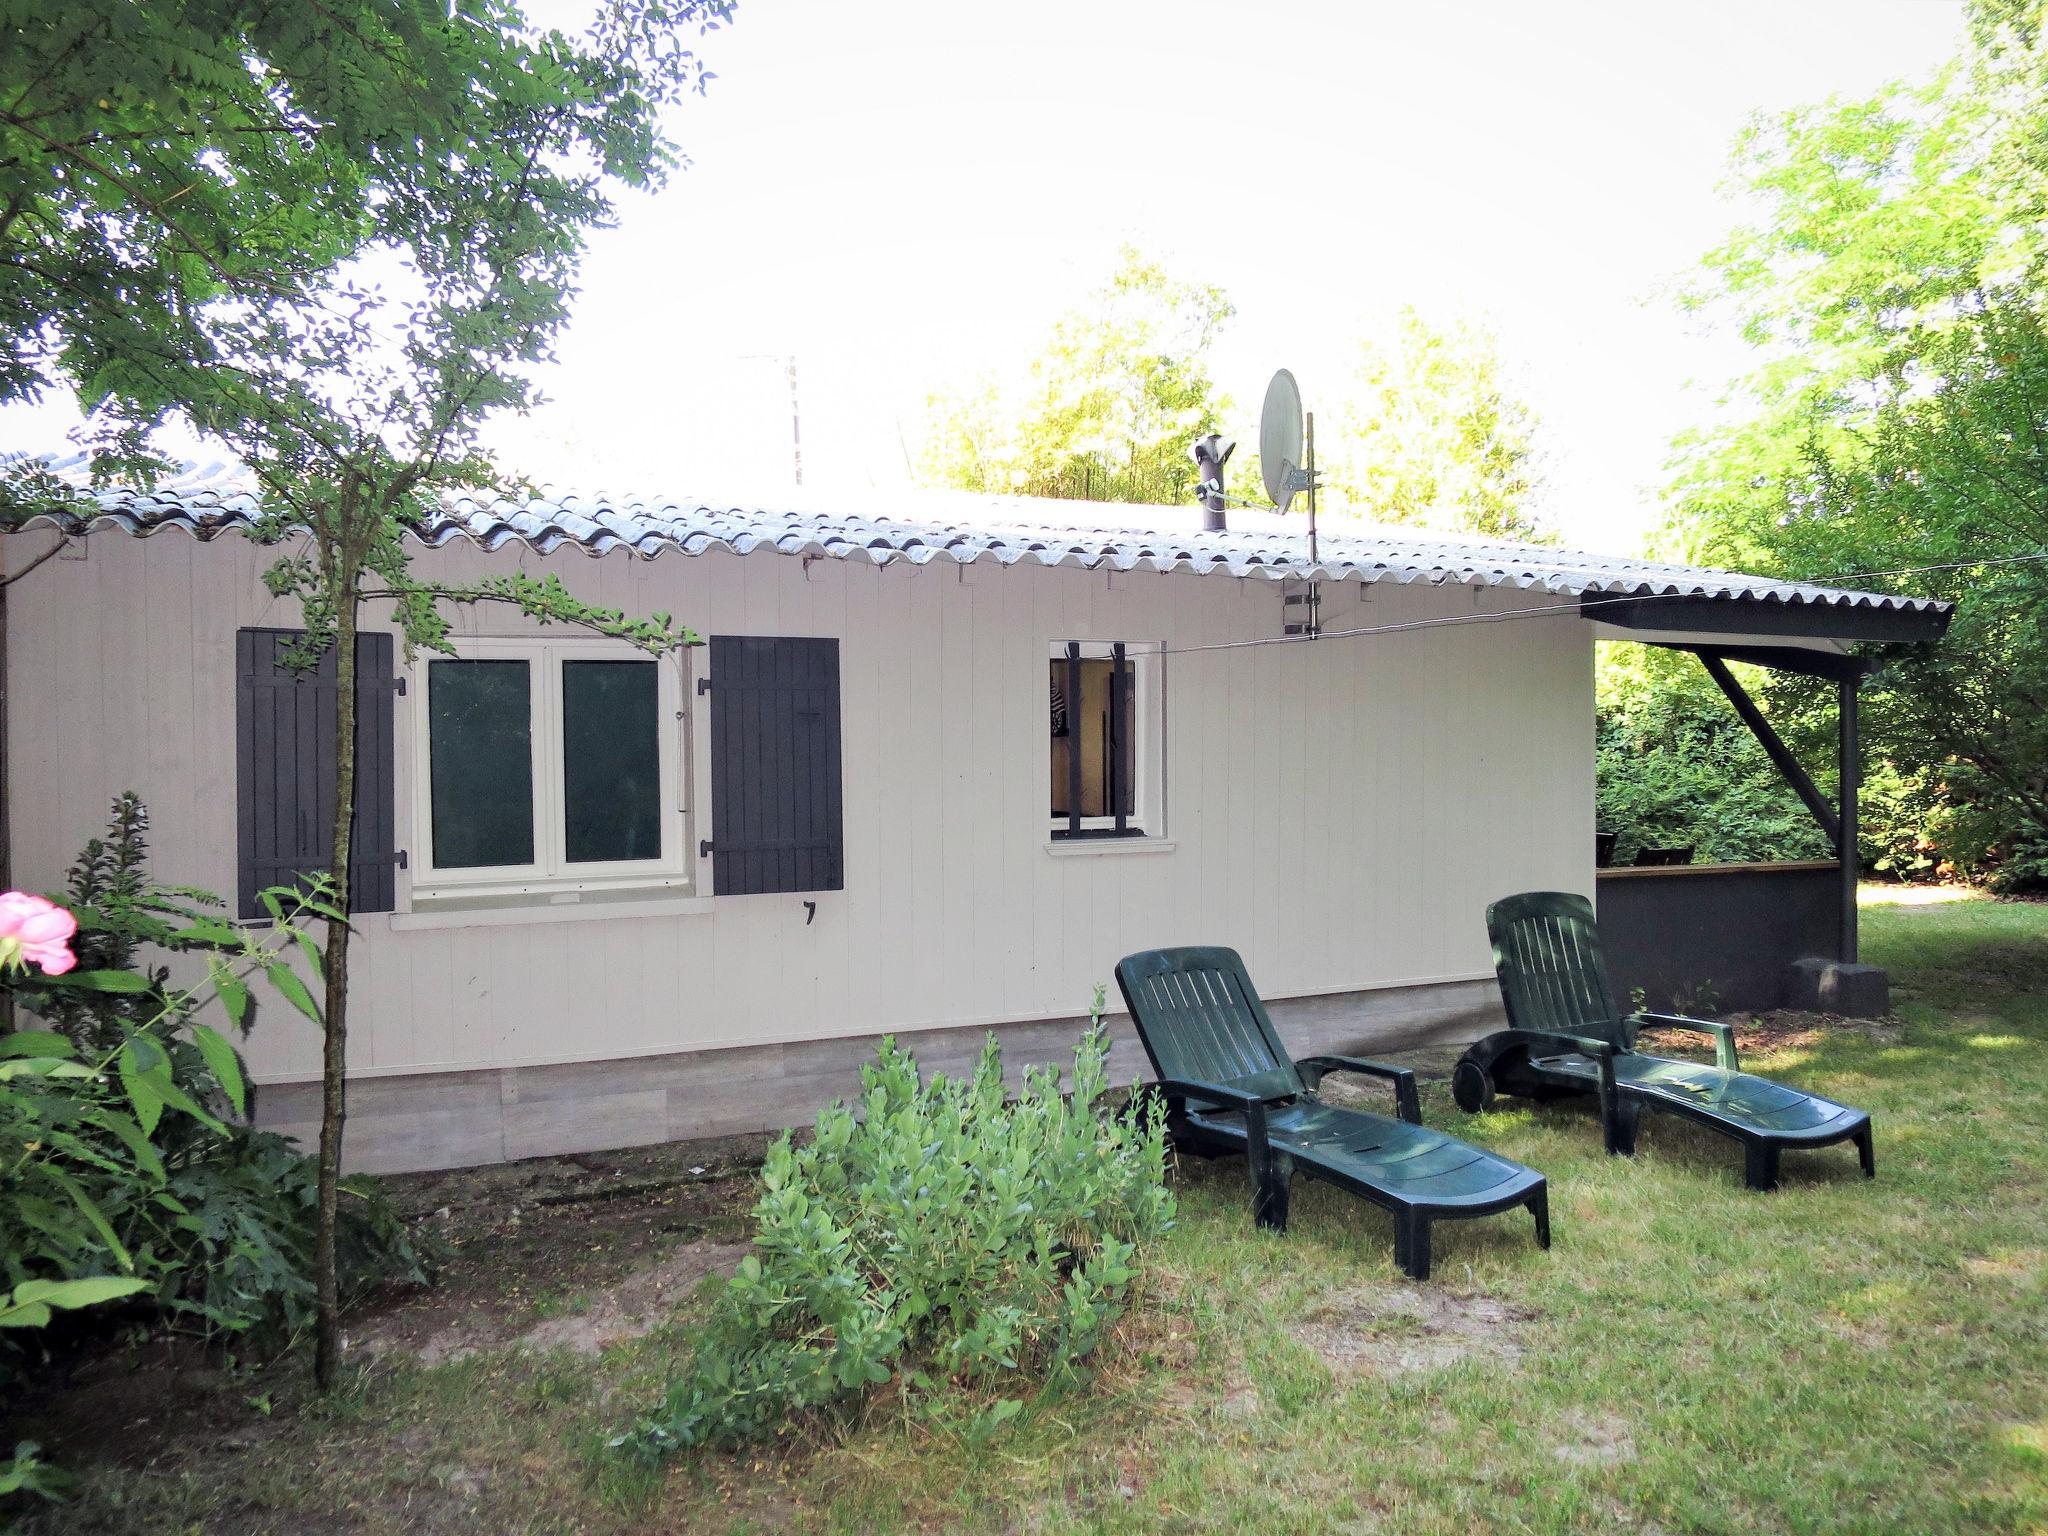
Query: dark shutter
775	809
284	759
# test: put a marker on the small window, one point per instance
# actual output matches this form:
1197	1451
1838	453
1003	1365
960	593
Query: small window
1105	707
551	767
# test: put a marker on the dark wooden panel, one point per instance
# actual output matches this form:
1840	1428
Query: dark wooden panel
1709	936
284	759
777	822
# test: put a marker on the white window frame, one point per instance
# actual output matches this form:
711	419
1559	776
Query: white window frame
551	875
1147	661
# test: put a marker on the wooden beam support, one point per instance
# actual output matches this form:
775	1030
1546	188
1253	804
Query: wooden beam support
1845	843
1832	665
1774	747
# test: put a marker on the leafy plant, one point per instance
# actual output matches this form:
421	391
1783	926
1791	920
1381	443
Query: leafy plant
943	1233
1676	767
121	1168
122	909
26	1472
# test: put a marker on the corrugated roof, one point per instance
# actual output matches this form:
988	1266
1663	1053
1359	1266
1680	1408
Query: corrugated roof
1001	530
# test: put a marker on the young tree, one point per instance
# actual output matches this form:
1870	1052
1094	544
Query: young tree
1105	412
353	391
1895	288
1433	433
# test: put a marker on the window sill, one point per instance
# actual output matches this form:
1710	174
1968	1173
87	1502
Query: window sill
1079	847
453	912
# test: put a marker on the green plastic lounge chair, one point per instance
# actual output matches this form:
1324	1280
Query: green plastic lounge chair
1567	1036
1230	1088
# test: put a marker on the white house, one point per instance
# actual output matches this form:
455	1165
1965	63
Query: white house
927	777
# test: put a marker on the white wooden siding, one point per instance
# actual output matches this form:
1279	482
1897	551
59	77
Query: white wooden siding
1340	812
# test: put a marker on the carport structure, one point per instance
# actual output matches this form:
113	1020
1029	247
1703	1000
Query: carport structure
1762	934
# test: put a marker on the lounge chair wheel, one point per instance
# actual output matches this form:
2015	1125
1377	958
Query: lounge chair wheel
1472	1087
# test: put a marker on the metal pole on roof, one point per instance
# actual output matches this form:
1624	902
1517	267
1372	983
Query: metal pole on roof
1851	772
796	424
1210	454
1315	595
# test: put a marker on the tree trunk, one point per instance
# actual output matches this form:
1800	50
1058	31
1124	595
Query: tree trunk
334	1061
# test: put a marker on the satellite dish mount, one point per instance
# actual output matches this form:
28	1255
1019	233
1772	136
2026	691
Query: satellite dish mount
1287	463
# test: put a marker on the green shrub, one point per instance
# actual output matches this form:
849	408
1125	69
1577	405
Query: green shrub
120	1155
942	1233
1674	778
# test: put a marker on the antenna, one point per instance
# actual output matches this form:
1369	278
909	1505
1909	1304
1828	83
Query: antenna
1287	463
1280	441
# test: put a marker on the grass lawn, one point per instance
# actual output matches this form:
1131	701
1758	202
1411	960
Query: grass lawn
1838	1356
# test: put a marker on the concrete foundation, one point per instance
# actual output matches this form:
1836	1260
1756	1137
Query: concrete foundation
1835	986
426	1120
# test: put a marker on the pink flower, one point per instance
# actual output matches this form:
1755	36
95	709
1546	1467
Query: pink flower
16	907
35	928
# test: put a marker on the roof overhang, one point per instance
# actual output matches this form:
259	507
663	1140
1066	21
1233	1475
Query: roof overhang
1624	598
1811	638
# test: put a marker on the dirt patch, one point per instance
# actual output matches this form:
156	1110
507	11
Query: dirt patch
1429	1063
1783	1030
528	1254
1620	1518
1595	1440
524	1261
586	1177
585	1321
637	1303
2012	1264
1864	1335
118	1403
1392	1332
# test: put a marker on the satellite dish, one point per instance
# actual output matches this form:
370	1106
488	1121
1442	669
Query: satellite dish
1280	439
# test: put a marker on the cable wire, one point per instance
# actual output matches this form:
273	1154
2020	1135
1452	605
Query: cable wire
1571	609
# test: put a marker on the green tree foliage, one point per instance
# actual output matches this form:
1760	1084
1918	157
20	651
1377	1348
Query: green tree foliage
156	157
1676	767
458	159
1105	412
1894	285
1433	432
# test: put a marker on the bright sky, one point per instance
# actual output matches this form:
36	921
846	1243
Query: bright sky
903	194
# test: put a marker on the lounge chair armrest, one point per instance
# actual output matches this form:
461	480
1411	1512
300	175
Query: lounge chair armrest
1408	1103
1602	1052
1209	1093
1616	1116
1253	1106
1724	1034
1550	1039
1270	1174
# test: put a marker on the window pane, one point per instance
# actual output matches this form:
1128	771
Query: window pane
1081	724
480	742
611	761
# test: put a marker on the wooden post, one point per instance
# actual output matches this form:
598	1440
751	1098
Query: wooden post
1851	772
